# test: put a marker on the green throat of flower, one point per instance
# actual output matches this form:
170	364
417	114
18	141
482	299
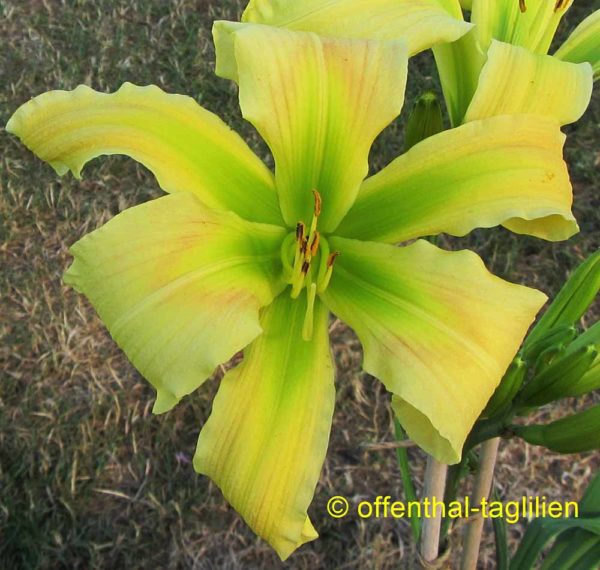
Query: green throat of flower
307	263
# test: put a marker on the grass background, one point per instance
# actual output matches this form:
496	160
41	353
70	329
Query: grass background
88	477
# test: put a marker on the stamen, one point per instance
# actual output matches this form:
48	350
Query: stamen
310	246
304	246
317	203
324	283
331	259
307	327
314	246
523	6
560	4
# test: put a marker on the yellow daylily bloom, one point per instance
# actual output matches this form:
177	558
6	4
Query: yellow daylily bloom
497	67
419	23
236	257
502	65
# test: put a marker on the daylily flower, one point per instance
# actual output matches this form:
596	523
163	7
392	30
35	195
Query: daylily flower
420	23
482	76
236	257
502	66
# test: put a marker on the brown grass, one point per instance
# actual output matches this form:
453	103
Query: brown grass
88	477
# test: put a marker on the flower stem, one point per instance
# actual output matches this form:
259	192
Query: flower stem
483	485
435	482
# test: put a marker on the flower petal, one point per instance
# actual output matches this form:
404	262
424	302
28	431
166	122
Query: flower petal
459	65
503	170
319	103
186	147
532	28
584	44
436	327
421	23
179	287
515	80
266	439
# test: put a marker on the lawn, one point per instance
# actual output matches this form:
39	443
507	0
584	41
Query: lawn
89	478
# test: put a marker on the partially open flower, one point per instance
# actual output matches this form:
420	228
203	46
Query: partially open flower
502	66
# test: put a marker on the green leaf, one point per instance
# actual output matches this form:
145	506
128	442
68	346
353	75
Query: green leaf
575	549
578	542
541	531
409	489
499	526
572	301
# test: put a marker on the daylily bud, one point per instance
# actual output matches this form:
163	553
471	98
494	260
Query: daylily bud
579	432
425	120
549	355
554	382
588	382
553	337
508	388
572	300
591	379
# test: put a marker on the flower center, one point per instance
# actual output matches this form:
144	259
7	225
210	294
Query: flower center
308	262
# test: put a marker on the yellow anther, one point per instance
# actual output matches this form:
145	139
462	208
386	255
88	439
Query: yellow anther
317	203
522	6
314	245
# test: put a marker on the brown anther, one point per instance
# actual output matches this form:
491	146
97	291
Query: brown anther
305	267
523	6
317	203
314	246
300	229
559	4
331	258
304	246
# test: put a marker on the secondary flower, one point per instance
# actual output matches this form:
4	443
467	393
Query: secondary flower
236	257
502	65
481	72
420	23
